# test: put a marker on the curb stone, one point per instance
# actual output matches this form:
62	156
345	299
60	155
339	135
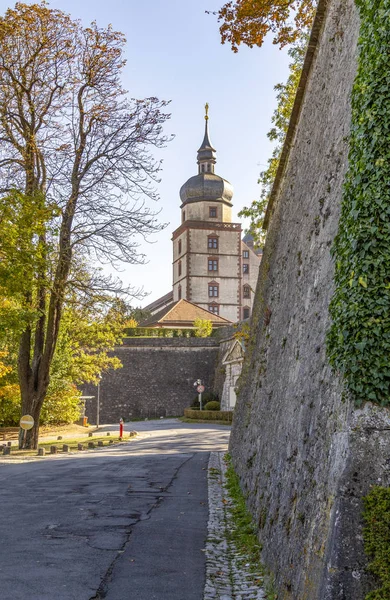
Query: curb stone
226	576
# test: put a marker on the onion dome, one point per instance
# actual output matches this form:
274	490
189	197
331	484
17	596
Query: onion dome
206	185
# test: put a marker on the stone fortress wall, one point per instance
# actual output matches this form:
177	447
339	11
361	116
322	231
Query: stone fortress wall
305	455
156	379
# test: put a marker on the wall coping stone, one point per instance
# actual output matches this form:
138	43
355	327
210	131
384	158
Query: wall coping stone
176	342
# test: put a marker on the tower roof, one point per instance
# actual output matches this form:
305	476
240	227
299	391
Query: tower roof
206	185
206	151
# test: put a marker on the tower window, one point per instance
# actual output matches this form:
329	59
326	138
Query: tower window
245	254
179	292
183	216
203	168
213	264
214	308
213	290
245	268
179	268
179	247
212	212
213	243
246	291
209	167
246	313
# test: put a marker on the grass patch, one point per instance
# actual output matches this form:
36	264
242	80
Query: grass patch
186	420
377	539
243	532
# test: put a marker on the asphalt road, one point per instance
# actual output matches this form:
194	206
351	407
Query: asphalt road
120	523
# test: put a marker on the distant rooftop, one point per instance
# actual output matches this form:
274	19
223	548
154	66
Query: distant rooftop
182	314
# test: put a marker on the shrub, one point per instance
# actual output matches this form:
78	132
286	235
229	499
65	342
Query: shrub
203	328
206	397
213	405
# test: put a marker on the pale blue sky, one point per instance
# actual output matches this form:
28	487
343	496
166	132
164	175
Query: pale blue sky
174	52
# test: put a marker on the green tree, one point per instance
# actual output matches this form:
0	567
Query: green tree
87	335
77	150
286	93
249	22
203	327
88	332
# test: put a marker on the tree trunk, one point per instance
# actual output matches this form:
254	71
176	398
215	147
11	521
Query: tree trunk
28	439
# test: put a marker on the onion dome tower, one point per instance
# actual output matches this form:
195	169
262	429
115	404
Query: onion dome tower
207	245
206	186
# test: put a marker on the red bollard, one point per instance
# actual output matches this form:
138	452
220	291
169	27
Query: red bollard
120	429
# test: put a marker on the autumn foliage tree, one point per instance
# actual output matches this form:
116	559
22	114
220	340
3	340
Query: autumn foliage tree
75	161
250	21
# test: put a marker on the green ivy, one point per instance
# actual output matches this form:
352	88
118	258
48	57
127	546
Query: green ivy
377	538
359	337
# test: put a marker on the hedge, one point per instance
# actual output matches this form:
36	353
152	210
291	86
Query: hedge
209	415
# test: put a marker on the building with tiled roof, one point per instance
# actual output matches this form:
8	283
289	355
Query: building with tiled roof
181	315
213	267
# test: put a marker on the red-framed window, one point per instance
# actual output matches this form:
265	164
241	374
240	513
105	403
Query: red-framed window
246	291
214	308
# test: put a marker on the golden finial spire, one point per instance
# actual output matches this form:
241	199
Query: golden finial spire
206	107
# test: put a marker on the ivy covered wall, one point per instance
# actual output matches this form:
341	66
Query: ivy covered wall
359	338
306	445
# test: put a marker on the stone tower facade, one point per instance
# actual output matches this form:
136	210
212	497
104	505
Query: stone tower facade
212	267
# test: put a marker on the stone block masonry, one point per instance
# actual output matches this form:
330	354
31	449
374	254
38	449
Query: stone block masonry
306	456
156	379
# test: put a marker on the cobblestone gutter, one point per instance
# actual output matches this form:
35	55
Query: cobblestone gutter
228	574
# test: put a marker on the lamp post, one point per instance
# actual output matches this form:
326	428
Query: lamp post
98	402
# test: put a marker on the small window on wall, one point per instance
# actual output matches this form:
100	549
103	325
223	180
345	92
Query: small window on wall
214	308
213	243
179	268
179	247
213	264
246	291
179	292
246	313
213	290
245	268
245	254
213	212
183	216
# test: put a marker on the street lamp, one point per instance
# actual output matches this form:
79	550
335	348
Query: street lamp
98	402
